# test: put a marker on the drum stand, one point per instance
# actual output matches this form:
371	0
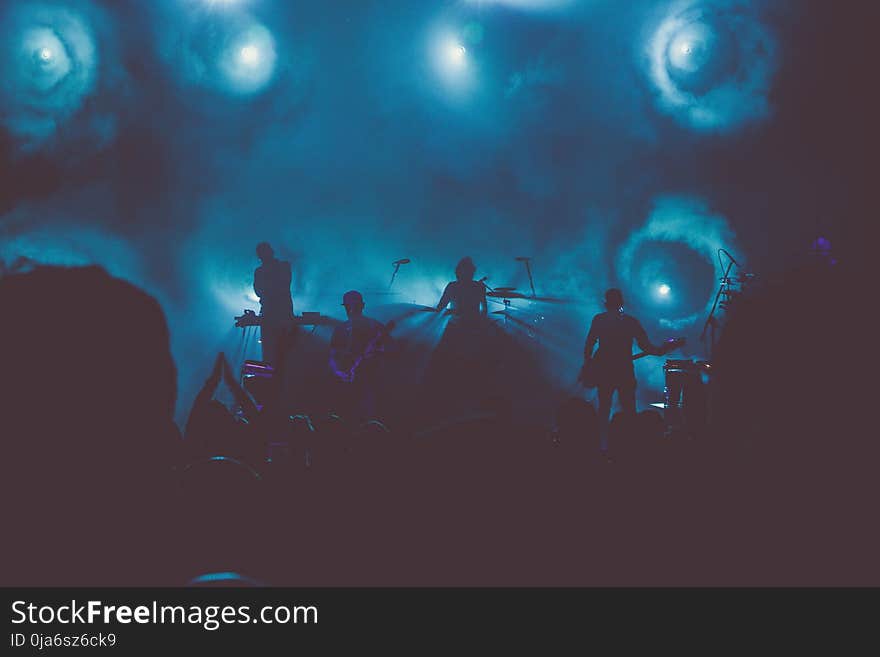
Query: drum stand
676	374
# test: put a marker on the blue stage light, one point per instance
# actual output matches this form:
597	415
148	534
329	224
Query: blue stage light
249	64
228	51
677	222
712	63
250	55
48	65
453	61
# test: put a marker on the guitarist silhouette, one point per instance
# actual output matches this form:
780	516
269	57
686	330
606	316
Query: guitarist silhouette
611	369
356	350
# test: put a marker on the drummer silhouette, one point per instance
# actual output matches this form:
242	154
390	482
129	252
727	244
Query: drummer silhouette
461	364
467	296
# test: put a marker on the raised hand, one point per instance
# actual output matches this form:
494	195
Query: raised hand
217	372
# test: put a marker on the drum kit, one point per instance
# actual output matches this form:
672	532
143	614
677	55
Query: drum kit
685	395
686	399
516	317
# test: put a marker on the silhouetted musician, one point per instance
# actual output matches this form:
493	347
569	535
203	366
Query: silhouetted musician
356	350
460	368
467	296
611	366
272	285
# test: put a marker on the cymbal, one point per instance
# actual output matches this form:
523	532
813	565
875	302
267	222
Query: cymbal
519	295
549	299
504	289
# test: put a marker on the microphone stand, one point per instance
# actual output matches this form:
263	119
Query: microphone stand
529	272
394	275
710	320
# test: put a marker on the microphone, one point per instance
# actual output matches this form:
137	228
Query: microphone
522	259
404	261
732	259
485	278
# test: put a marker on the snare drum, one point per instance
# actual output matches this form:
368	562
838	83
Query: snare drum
677	373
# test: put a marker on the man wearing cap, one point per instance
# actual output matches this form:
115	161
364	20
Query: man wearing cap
612	364
356	349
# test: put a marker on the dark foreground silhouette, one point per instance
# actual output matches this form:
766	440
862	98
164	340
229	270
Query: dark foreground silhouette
100	488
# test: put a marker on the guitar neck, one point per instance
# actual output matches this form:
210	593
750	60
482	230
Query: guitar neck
668	346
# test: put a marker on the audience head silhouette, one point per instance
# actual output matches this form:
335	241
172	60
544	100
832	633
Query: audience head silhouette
91	430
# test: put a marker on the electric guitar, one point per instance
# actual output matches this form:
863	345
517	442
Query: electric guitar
372	347
375	344
587	376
